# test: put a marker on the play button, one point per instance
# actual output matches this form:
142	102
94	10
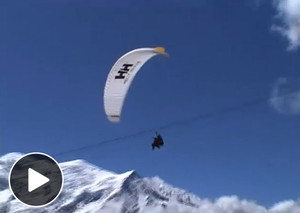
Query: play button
36	179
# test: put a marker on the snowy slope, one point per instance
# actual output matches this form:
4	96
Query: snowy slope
90	189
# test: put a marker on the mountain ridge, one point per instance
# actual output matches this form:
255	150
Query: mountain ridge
86	185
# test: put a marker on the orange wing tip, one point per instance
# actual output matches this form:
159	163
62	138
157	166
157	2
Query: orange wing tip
161	50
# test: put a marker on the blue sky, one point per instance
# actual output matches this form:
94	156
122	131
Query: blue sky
55	57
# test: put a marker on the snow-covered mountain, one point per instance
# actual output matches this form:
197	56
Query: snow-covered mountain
90	189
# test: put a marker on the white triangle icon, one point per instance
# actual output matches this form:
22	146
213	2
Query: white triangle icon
35	180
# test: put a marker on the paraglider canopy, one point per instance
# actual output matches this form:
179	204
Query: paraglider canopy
121	76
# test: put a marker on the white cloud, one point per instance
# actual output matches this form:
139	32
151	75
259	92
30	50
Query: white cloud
225	204
288	206
285	97
288	11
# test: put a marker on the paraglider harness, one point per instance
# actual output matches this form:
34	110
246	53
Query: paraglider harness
157	142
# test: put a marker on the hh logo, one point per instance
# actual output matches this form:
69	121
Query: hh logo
124	70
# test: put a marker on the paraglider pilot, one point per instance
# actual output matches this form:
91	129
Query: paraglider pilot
158	141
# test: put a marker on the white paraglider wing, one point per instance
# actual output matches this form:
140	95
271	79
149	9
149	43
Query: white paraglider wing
120	78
